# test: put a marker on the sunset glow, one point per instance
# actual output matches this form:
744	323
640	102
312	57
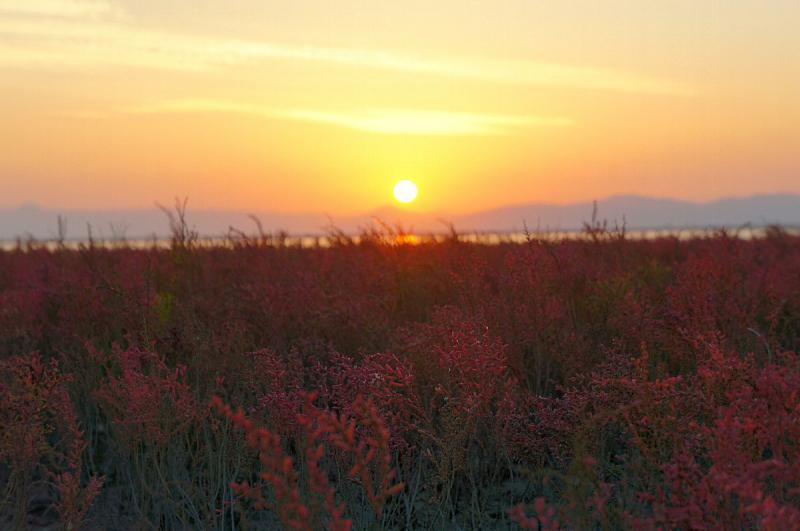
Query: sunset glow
313	107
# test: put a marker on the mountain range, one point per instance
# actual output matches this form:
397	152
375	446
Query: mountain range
637	212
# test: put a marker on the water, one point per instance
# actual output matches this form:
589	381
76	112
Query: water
322	241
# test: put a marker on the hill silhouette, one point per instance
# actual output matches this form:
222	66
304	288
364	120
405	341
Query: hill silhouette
637	212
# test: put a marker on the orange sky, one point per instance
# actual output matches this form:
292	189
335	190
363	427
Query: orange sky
321	106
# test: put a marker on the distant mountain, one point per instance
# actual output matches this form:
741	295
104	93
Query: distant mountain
643	213
637	212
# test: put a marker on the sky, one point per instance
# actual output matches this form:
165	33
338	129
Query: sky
314	105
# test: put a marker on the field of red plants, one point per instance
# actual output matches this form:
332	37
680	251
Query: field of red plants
597	383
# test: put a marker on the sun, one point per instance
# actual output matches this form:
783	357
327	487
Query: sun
405	191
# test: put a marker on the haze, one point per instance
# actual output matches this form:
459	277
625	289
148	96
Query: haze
322	106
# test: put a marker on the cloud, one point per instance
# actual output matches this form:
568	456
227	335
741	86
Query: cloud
404	121
512	72
95	34
383	121
70	9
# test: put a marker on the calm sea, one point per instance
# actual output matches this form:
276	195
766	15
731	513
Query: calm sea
311	241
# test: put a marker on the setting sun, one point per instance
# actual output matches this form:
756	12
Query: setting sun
405	191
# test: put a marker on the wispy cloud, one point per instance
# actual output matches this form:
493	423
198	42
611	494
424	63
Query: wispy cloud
403	121
70	9
513	72
382	121
94	33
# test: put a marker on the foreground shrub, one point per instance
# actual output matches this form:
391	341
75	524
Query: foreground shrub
364	441
42	445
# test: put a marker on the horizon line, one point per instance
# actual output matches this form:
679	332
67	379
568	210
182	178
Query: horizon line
388	206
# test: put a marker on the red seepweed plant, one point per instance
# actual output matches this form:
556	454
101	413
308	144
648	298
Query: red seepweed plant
145	400
544	520
365	440
494	370
371	447
41	441
277	469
